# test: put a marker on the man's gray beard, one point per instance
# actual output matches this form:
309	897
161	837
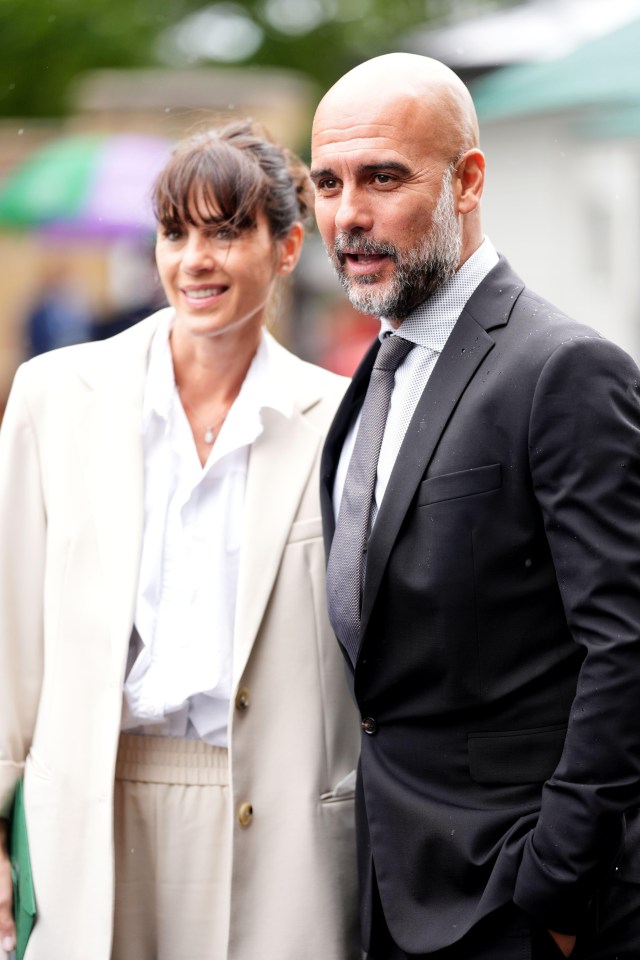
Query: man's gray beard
418	272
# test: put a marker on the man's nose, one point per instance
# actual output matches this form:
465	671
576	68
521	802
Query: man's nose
354	212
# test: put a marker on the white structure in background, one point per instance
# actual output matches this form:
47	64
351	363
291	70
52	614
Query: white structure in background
525	31
562	140
566	212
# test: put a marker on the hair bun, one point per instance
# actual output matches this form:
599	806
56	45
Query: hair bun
299	173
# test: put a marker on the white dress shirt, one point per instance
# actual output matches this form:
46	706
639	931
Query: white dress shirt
180	666
429	327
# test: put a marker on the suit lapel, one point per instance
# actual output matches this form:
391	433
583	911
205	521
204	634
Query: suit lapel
488	308
280	462
464	351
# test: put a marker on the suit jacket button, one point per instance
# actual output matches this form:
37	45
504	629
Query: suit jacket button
369	725
242	699
245	814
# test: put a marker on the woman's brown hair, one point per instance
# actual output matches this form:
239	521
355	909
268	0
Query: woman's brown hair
227	176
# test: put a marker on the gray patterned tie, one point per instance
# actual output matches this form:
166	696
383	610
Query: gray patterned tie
346	558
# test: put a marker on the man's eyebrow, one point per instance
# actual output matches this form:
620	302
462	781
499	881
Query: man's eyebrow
319	174
393	166
365	169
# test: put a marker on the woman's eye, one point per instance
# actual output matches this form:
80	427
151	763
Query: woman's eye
225	233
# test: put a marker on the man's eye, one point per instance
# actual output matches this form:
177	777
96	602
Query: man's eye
327	184
383	179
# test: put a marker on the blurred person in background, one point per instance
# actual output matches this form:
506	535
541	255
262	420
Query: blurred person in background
61	314
169	684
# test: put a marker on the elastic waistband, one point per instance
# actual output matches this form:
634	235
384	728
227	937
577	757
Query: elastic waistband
148	759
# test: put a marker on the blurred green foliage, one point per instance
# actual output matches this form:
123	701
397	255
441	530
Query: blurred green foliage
44	44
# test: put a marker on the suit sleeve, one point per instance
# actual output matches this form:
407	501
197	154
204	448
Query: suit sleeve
585	465
22	559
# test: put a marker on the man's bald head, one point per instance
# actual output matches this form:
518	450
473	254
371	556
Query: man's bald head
430	90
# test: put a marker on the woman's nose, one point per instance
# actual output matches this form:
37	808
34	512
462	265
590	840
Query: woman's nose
198	253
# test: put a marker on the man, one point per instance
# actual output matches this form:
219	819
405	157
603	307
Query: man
488	601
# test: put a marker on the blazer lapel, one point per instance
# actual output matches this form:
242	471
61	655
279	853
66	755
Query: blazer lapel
280	463
109	432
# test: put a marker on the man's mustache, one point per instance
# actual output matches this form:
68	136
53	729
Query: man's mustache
346	243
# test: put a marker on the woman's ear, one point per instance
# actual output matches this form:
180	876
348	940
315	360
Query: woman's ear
290	248
469	180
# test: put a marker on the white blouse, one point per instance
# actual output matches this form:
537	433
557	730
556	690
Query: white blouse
180	663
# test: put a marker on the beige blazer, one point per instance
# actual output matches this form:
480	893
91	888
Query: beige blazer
71	504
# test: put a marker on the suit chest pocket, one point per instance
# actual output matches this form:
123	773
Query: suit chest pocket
463	483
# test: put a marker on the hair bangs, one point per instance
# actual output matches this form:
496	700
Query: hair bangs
209	182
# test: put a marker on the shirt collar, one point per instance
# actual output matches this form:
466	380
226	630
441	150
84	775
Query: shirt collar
431	323
160	383
262	386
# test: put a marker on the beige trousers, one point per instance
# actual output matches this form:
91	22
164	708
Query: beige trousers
172	850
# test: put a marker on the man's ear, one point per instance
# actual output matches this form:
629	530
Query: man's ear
469	180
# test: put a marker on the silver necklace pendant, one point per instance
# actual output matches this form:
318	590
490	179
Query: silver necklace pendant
210	435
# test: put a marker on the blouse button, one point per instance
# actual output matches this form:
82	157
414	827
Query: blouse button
242	699
245	814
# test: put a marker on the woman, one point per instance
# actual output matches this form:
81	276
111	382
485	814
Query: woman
169	683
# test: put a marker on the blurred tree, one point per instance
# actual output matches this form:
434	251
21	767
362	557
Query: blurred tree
44	44
350	31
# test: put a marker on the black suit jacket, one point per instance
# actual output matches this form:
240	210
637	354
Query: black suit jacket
500	641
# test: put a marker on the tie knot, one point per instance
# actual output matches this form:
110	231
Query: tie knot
392	352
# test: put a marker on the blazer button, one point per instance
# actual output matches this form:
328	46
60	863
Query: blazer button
242	699
245	814
369	725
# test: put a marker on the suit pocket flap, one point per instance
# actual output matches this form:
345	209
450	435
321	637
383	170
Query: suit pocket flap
464	483
305	530
521	756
